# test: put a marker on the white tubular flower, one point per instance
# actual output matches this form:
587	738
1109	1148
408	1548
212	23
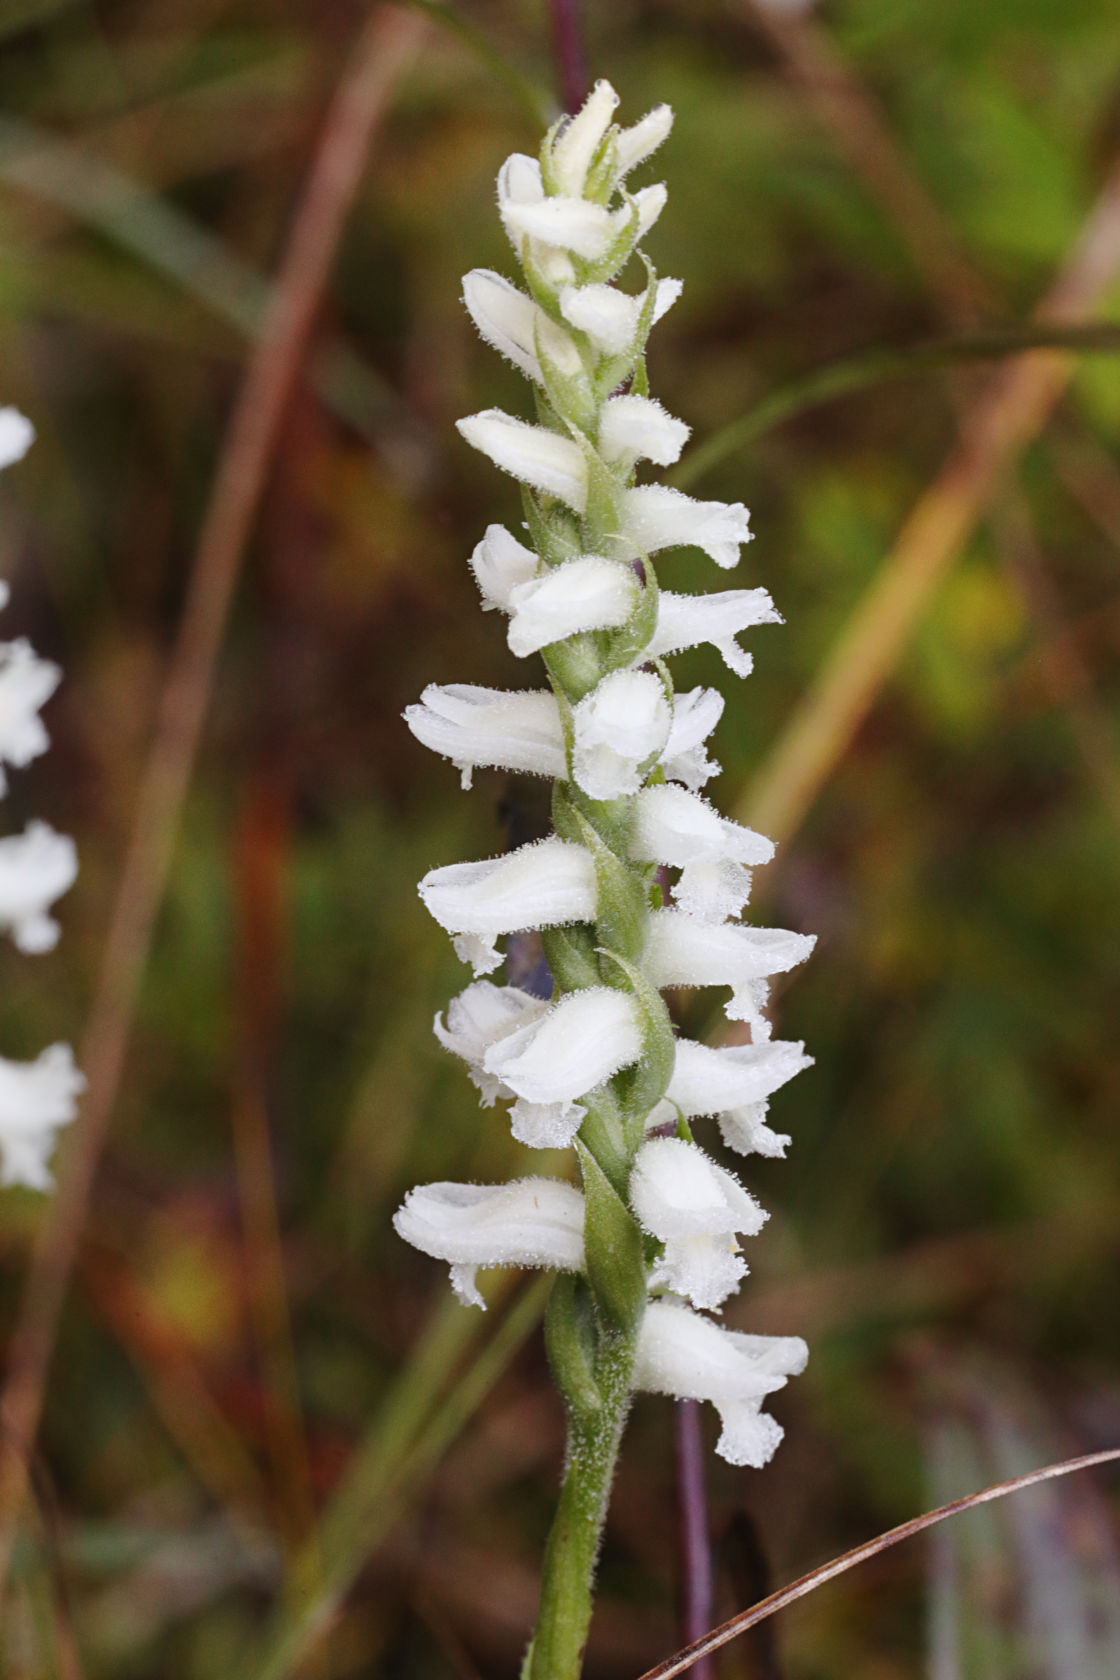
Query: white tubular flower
571	224
695	1207
638	429
538	886
531	1222
500	563
620	728
682	1354
479	728
17	434
681	829
533	454
655	516
683	952
589	593
36	1099
707	1080
584	1039
636	144
695	715
580	137
26	683
610	318
684	621
36	867
478	1018
514	325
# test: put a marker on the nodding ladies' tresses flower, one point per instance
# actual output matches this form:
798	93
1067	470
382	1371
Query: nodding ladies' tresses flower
36	867
539	886
683	1354
695	1208
599	1066
531	1222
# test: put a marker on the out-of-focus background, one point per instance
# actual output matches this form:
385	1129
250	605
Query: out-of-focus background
248	1358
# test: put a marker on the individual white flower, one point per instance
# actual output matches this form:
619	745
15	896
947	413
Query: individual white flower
26	683
619	729
490	727
655	516
36	1099
637	143
588	593
500	563
17	434
531	1222
571	224
695	1208
681	951
678	828
695	714
684	621
579	138
633	428
709	1080
478	1018
533	454
683	1354
515	326
609	317
582	1040
36	867
541	885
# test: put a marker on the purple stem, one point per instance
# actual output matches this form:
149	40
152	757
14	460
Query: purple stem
567	46
697	1596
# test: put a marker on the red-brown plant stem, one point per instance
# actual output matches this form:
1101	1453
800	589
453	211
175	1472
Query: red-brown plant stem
695	1547
567	47
688	1658
385	46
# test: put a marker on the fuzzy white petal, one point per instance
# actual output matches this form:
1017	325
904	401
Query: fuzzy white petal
683	952
580	137
610	317
695	714
17	434
650	202
684	621
654	516
530	1222
545	1125
683	1354
745	1130
676	827
533	454
588	593
708	1080
639	142
36	1099
505	318
478	1018
26	683
712	892
500	563
571	224
633	428
36	867
541	885
583	1039
619	728
490	727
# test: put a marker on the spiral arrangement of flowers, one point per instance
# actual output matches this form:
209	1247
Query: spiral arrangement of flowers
642	883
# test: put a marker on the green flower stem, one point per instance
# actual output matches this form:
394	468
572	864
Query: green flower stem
569	1561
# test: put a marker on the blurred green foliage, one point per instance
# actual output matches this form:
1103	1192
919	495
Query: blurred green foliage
952	1183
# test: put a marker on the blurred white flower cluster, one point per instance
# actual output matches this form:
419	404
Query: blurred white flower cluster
640	887
36	868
